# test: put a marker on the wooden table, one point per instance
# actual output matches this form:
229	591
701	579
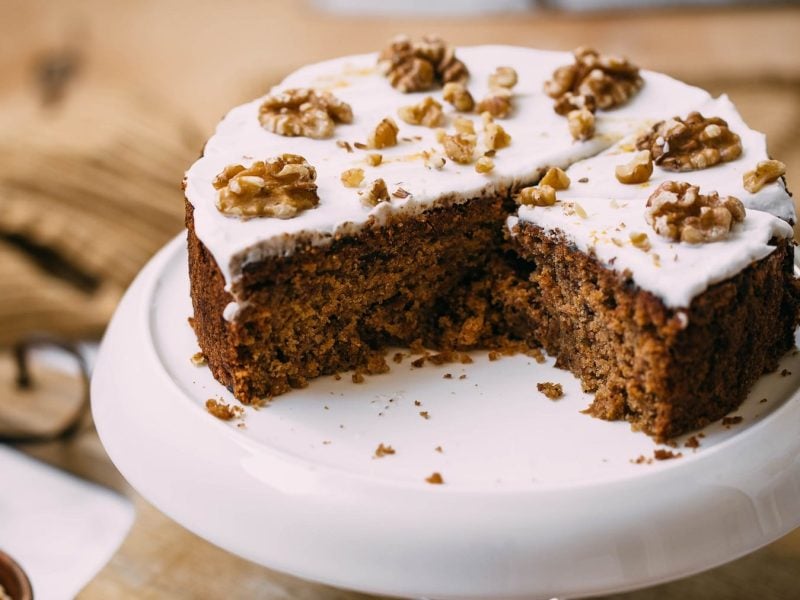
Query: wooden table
145	83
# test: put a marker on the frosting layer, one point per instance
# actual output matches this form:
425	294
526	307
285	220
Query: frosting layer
540	139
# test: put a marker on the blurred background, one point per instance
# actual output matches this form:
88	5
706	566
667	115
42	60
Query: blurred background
104	104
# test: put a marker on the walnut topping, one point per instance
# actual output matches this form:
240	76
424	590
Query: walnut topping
494	136
460	147
542	195
383	450
765	172
433	160
384	135
678	211
377	192
418	66
638	170
374	159
352	177
428	113
505	77
281	187
458	95
569	102
692	143
556	179
610	80
304	112
464	125
435	478
497	103
581	124
484	165
640	240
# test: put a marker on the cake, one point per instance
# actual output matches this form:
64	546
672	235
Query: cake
493	197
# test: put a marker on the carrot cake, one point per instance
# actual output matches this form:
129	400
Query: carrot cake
462	198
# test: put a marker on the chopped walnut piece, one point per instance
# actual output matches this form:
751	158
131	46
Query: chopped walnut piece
460	147
401	193
640	240
223	411
553	391
610	80
304	112
581	124
458	95
556	178
692	143
435	478
374	159
497	103
281	187
434	160
377	192
504	77
678	211
495	137
484	165
765	172
638	170
383	450
464	125
384	135
543	195
569	102
428	112
418	66
352	177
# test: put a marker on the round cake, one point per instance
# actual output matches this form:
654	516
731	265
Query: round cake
494	197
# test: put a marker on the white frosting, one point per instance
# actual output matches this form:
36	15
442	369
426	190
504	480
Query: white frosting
540	138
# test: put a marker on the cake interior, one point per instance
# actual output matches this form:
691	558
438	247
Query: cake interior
449	279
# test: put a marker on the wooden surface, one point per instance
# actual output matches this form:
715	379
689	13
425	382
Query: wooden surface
104	104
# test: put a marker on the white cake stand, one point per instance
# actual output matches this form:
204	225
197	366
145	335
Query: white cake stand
538	499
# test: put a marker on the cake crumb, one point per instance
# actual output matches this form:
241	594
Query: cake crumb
661	454
424	414
223	411
337	377
418	363
465	359
641	459
583	180
345	145
785	373
358	377
463	376
762	401
439	449
494	355
383	450
198	359
692	442
417	403
730	421
554	391
447	376
398	357
326	442
435	478
536	354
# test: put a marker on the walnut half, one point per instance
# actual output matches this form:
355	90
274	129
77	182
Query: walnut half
610	81
304	112
418	66
280	187
689	144
677	210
